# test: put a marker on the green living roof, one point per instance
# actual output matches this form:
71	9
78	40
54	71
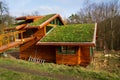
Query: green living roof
40	21
71	33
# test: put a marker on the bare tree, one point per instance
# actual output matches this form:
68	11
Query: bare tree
3	11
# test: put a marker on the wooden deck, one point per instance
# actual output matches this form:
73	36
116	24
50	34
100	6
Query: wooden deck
11	39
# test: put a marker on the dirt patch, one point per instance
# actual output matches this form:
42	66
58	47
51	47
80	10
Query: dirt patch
39	73
14	54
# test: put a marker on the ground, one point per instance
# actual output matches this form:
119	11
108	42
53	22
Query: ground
99	69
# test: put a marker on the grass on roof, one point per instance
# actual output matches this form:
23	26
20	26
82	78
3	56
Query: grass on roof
40	21
71	33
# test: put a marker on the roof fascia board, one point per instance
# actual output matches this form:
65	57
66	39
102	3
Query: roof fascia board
49	20
67	43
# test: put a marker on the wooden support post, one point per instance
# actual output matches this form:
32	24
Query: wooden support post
21	36
8	39
78	55
0	40
14	36
45	30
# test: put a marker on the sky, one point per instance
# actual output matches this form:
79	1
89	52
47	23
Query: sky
63	7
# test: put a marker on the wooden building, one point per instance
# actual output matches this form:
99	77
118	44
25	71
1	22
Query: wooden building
53	41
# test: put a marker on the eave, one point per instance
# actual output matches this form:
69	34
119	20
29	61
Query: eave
49	20
41	25
67	43
28	17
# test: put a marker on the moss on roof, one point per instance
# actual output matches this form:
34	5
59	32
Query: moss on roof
40	21
71	33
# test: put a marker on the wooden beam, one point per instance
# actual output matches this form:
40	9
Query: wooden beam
95	34
67	43
52	25
28	17
78	55
21	26
49	20
13	44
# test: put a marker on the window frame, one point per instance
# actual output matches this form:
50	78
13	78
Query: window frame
66	50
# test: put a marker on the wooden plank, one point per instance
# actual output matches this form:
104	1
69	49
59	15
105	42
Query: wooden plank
49	20
78	55
13	44
95	34
28	17
5	47
52	25
67	43
21	26
69	59
38	35
42	52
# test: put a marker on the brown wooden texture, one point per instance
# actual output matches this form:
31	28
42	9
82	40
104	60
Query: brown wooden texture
46	53
13	44
28	17
69	59
38	35
21	26
84	56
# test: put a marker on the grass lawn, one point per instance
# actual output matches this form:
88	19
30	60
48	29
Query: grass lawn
6	74
23	70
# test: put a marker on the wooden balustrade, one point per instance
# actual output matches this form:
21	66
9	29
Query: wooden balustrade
10	37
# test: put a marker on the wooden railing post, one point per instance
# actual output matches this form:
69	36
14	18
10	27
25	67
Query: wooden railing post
0	40
8	39
21	36
14	36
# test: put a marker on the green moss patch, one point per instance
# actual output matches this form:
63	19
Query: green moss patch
71	33
40	21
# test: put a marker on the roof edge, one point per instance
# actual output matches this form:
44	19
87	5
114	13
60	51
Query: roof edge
50	19
66	43
95	34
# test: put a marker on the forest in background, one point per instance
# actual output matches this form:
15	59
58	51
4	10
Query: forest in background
106	14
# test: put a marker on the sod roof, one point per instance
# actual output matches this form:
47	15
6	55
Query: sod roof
71	33
40	21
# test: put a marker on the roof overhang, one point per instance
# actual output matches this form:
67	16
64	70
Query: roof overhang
43	24
67	43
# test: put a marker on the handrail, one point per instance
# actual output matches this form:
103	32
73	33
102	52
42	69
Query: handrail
6	38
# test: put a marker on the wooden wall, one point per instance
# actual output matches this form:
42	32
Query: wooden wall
82	57
69	59
50	54
42	52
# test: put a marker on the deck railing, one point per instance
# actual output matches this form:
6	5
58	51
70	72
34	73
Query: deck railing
11	37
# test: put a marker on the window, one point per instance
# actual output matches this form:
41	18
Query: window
48	28
66	50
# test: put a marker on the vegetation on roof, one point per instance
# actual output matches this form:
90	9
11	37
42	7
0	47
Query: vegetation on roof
40	21
71	33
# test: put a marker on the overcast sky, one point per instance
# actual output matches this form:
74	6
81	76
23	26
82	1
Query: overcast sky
64	7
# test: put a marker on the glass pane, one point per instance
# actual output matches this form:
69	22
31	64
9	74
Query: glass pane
66	49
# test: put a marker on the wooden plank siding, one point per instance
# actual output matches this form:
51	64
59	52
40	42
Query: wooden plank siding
46	53
50	54
38	35
85	56
82	57
68	59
